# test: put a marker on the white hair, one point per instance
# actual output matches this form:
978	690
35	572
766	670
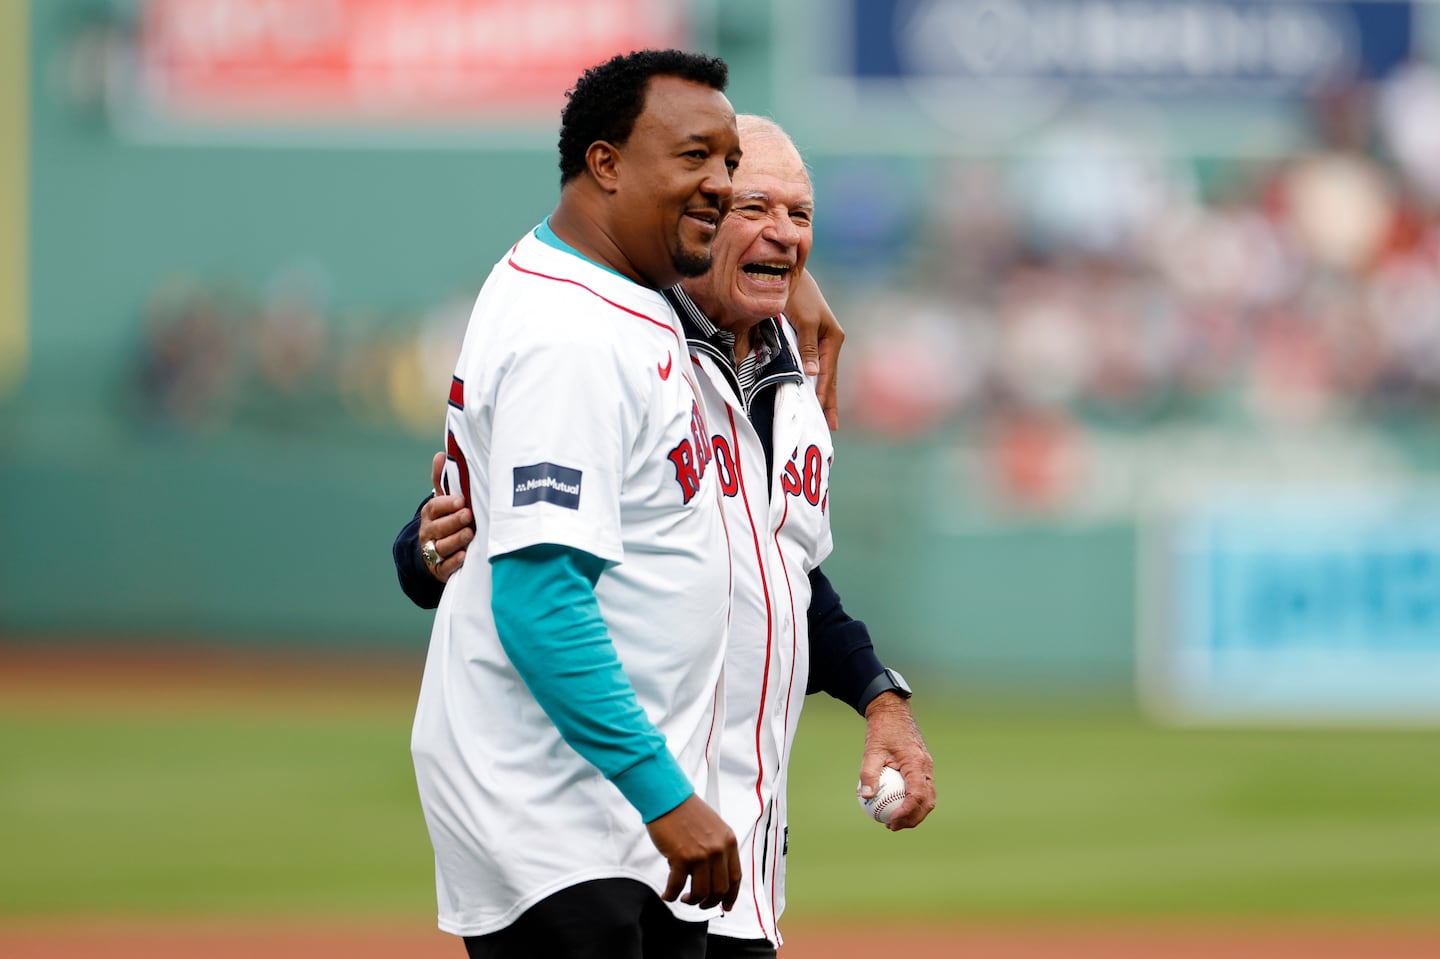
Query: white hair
753	126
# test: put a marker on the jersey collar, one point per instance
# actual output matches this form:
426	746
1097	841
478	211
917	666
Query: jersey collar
778	361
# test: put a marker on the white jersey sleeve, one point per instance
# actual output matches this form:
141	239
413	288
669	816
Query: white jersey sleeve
562	424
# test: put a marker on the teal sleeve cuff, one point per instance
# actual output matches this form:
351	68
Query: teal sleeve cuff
549	623
654	786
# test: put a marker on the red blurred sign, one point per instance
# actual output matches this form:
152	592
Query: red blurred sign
387	60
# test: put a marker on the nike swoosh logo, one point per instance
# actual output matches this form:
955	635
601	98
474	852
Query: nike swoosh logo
669	365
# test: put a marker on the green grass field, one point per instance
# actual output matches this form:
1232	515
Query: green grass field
1075	813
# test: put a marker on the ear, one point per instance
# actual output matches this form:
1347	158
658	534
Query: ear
602	159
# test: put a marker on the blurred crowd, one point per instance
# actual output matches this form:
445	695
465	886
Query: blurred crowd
283	359
1098	281
1094	281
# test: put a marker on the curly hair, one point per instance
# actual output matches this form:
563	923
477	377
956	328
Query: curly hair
607	99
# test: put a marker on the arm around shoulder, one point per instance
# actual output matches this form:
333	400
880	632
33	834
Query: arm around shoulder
416	580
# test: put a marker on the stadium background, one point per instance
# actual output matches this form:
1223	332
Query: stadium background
1137	448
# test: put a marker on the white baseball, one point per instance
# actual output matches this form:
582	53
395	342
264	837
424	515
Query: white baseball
887	798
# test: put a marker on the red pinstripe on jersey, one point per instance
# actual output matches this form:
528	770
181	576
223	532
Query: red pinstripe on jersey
452	447
789	695
561	279
730	552
769	645
452	450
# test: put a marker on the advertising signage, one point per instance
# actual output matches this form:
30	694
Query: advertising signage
1173	47
1293	606
380	62
934	77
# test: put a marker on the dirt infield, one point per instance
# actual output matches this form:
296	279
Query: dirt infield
961	941
135	677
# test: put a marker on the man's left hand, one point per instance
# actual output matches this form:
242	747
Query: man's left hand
892	738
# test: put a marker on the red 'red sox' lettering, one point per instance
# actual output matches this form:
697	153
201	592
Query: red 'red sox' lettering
825	503
725	463
810	483
454	455
691	456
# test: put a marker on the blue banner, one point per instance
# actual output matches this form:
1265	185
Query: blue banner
1276	48
1298	606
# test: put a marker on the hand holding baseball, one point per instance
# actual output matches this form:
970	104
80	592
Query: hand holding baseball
887	798
893	740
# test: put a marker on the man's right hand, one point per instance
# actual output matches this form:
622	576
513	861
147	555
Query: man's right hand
447	521
820	337
701	848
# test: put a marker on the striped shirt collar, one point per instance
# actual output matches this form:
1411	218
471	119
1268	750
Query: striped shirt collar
770	359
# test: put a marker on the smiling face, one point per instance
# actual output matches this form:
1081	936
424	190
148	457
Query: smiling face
765	240
675	179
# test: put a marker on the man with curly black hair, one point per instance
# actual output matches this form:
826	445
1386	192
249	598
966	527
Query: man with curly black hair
562	738
604	107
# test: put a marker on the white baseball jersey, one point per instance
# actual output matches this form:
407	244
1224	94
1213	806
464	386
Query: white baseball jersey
779	531
572	412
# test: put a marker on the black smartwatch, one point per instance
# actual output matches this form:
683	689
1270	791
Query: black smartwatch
889	681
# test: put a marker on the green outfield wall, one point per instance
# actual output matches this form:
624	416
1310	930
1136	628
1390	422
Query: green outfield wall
278	531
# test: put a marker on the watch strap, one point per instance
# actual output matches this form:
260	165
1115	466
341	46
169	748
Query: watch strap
884	682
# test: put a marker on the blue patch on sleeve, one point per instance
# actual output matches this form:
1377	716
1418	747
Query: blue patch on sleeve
547	483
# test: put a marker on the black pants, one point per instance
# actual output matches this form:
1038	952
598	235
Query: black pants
723	947
600	919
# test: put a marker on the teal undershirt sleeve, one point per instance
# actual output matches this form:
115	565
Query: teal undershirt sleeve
549	623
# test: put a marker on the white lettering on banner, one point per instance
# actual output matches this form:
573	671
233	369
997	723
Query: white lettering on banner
1099	39
286	29
385	58
418	30
440	34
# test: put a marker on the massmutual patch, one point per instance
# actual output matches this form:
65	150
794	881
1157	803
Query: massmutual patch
547	483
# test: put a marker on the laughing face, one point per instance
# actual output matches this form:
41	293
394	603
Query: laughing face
677	162
764	242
